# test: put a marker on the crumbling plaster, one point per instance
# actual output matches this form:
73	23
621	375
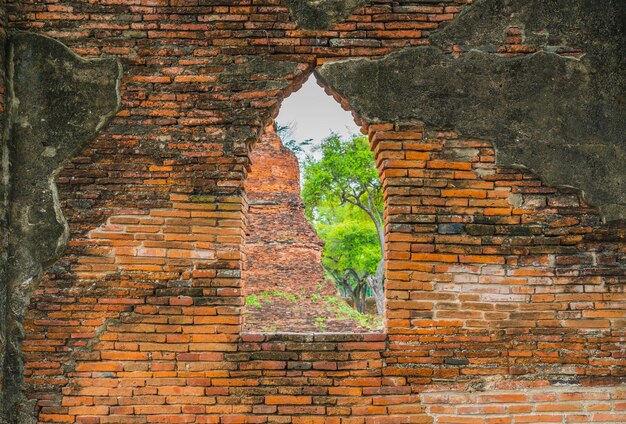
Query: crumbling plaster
562	117
57	102
321	14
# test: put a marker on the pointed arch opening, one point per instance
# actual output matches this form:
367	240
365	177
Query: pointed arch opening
315	230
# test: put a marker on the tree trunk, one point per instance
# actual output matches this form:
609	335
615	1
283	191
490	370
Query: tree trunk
357	293
360	305
363	296
354	295
376	284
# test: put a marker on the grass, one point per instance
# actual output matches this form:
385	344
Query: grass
341	310
256	300
253	300
329	307
320	322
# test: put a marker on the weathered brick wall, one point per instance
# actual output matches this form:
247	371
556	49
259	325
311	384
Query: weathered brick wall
283	251
490	272
500	290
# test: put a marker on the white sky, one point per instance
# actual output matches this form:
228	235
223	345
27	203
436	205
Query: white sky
314	114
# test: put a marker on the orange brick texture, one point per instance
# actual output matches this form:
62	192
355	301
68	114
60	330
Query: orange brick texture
505	300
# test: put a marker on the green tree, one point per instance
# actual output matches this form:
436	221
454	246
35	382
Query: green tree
351	252
285	133
343	198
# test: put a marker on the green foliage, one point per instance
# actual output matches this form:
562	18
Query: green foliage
344	311
346	173
320	322
280	295
350	243
253	300
297	146
343	198
328	308
267	297
285	133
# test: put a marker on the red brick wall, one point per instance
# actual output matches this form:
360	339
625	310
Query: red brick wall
280	243
505	298
490	272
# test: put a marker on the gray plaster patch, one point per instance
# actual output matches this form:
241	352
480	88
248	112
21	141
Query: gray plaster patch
321	14
57	104
588	24
563	118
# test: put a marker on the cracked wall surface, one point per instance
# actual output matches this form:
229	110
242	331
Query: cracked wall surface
4	161
562	117
57	103
505	296
321	14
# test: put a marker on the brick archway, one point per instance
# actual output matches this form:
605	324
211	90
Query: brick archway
504	298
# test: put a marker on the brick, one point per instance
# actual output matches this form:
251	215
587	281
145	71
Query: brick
288	400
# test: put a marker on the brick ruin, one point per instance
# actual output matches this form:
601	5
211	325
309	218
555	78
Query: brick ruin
283	252
497	127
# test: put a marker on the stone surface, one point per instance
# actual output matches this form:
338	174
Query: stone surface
57	103
4	162
321	14
561	117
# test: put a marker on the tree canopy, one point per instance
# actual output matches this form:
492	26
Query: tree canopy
346	173
351	240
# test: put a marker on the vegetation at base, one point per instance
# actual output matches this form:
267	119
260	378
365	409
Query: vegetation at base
253	301
320	322
328	308
341	310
